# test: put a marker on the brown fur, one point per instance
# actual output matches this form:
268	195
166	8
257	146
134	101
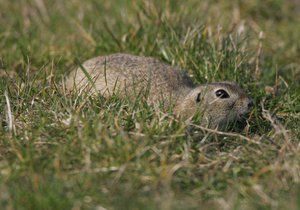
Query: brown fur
130	75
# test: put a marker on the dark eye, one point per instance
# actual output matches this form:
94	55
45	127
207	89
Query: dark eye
222	94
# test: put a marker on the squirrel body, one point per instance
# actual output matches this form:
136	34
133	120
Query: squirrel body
129	75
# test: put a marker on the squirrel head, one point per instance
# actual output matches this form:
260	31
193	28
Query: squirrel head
217	103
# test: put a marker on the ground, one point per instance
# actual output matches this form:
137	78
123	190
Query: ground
66	152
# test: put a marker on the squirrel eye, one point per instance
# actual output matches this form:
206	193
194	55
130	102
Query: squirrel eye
222	94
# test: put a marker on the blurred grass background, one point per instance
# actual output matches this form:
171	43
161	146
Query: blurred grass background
65	152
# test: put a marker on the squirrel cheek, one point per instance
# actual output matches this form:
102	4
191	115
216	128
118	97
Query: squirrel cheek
239	107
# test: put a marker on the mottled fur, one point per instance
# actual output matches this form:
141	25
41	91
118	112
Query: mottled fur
130	75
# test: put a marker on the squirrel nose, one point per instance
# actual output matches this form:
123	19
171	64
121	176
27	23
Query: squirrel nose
250	104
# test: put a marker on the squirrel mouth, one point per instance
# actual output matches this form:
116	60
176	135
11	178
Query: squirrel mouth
243	116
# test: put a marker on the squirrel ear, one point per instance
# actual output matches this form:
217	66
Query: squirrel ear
198	98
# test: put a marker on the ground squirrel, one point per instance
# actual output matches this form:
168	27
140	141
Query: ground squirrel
219	103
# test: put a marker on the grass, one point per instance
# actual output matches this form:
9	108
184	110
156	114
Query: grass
64	152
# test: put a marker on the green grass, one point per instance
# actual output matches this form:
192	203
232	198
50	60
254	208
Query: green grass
64	152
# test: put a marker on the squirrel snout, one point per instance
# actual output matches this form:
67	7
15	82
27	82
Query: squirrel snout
250	104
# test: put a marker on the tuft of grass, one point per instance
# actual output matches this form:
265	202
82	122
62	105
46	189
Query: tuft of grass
60	151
